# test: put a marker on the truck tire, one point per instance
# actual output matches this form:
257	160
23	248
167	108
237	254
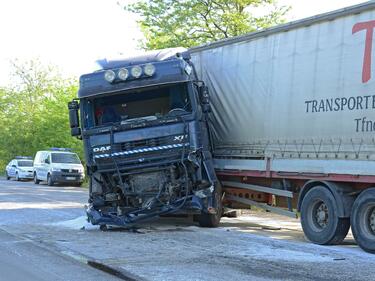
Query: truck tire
363	220
212	220
49	180
319	219
17	177
36	181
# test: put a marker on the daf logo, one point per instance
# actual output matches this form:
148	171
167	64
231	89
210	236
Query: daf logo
178	138
101	149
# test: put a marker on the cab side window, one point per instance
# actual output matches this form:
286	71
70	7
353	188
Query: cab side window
46	159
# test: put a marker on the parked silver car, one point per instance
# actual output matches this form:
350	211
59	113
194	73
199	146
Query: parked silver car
20	168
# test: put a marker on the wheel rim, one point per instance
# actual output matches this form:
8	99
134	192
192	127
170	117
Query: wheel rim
368	220
372	221
319	215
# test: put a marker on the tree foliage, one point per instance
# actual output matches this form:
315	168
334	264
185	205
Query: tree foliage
187	23
33	113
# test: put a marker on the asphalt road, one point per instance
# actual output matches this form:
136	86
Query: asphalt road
22	258
44	236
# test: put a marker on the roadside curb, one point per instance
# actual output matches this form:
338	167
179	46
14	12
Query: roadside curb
73	256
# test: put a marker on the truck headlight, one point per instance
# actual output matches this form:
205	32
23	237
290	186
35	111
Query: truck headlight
56	170
110	76
123	74
149	69
136	71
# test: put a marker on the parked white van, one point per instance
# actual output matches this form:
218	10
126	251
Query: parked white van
58	165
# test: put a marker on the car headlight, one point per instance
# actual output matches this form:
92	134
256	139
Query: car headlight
136	71
56	170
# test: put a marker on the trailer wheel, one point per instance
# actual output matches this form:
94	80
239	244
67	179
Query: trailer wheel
212	220
319	219
363	220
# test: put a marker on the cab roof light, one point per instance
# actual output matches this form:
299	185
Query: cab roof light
136	71
149	69
123	74
109	76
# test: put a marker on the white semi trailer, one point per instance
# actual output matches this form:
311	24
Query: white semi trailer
293	121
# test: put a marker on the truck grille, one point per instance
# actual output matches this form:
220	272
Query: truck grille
143	152
145	146
154	142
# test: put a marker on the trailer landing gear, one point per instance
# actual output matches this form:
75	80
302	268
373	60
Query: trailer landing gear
363	220
319	218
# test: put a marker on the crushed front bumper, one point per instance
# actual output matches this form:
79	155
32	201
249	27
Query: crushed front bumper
193	205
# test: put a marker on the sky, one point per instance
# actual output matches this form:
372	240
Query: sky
73	34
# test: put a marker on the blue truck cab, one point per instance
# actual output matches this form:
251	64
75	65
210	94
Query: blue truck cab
143	123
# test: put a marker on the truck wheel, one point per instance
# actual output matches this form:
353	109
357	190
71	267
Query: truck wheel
363	220
49	180
36	181
212	220
319	219
17	177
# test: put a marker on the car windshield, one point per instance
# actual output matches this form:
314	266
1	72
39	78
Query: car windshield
25	163
146	104
65	158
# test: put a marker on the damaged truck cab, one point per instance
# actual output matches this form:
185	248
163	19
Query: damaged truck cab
143	123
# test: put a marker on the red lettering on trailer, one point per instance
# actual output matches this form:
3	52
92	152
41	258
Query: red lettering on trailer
369	27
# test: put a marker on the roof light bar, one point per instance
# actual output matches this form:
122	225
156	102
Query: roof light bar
60	149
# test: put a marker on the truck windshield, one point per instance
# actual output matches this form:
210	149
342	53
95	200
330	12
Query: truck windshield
25	163
169	100
68	158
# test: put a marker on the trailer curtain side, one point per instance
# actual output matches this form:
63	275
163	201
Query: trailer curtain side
303	91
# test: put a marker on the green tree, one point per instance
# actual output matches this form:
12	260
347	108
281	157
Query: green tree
33	113
187	23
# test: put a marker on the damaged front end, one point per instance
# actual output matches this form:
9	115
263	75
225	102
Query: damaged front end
123	197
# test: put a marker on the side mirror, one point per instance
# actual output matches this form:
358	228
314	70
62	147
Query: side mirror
46	161
205	98
73	107
14	166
